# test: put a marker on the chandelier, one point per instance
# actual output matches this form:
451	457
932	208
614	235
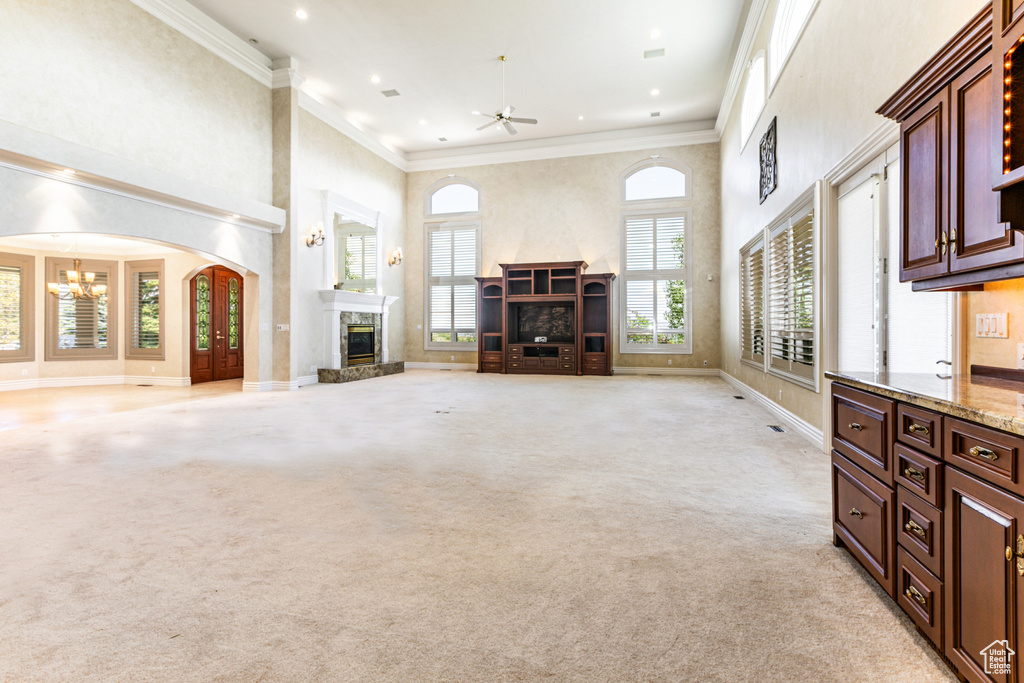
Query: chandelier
76	289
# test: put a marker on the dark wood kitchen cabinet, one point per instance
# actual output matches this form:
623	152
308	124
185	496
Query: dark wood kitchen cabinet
951	234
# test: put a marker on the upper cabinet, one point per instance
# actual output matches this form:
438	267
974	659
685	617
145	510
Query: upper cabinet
952	230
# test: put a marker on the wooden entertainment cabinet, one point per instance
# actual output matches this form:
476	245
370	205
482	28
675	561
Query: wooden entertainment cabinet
556	301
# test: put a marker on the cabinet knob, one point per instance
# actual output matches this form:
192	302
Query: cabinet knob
854	512
918	429
856	427
911	473
915	528
916	596
980	452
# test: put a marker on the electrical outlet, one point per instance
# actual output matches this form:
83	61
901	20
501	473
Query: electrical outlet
283	328
312	368
453	357
780	394
264	327
670	361
419	327
24	373
705	363
152	368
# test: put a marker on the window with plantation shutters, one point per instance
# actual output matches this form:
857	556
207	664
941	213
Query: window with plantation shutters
655	280
752	337
453	261
81	328
16	326
145	309
790	293
361	262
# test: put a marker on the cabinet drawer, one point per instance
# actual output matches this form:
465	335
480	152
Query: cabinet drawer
515	364
515	349
919	593
862	426
919	474
590	369
919	428
862	518
567	358
919	530
986	453
490	357
491	367
567	350
567	366
515	356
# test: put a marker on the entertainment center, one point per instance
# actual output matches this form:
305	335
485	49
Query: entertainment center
545	318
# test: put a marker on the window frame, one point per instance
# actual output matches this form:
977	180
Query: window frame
27	352
747	356
131	269
452	280
751	117
775	73
365	283
655	275
428	197
51	351
660	201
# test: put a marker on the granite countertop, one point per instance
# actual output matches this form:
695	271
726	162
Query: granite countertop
996	403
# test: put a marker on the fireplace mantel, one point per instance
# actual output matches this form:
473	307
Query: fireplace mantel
337	301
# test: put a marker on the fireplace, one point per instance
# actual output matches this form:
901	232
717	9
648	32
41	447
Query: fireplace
360	345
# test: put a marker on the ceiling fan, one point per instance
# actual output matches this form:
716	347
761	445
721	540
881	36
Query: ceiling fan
504	115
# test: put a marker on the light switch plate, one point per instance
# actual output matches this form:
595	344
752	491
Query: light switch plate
283	328
991	325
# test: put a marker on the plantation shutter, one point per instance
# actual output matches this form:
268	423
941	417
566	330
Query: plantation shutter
655	280
82	323
145	308
791	296
752	302
11	330
858	277
453	266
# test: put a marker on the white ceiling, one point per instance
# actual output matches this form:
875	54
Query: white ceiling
566	59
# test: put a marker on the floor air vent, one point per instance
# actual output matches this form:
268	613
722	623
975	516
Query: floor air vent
776	428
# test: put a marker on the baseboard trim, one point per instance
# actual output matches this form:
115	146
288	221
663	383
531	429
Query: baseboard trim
461	367
95	381
797	424
258	386
681	372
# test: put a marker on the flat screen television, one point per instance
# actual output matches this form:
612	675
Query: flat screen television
557	322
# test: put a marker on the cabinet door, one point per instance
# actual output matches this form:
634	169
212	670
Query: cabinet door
976	237
983	589
924	201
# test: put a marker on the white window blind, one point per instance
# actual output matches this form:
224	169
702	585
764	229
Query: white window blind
919	325
11	329
145	310
858	278
361	263
82	323
656	314
453	265
752	302
791	297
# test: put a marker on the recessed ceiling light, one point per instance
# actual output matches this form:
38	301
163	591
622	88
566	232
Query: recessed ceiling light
375	79
301	14
655	92
581	117
475	113
655	34
423	122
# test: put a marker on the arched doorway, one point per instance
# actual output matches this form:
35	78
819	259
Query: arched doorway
216	344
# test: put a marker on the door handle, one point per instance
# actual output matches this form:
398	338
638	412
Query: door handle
219	337
911	473
1019	555
918	429
980	452
915	528
916	596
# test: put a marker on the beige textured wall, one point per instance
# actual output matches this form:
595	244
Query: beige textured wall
851	58
331	161
998	297
108	75
568	210
178	268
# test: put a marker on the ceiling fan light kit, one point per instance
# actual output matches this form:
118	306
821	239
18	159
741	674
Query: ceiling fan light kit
503	117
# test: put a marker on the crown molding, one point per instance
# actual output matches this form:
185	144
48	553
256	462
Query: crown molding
189	21
739	63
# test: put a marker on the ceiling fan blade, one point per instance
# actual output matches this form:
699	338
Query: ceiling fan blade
508	127
507	111
515	120
486	125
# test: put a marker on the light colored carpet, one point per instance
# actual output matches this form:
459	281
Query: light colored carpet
436	527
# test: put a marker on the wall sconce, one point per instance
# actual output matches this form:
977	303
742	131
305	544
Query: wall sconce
396	257
316	236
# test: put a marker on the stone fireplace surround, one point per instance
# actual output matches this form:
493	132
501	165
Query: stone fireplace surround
342	309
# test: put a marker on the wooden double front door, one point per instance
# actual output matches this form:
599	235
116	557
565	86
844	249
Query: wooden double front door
216	321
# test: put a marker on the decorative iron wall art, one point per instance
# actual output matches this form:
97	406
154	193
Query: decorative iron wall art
769	165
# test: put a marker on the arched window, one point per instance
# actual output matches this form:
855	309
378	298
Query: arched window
790	19
655	180
452	196
655	266
452	260
753	97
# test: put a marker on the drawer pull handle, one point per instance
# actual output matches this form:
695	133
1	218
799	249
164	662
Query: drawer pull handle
911	473
857	513
856	427
919	429
913	527
916	596
979	452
